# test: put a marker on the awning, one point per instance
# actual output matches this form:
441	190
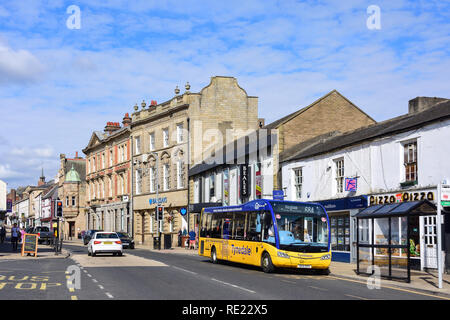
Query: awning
420	208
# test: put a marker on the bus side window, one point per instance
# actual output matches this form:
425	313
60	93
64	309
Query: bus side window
239	226
203	228
268	226
253	232
216	225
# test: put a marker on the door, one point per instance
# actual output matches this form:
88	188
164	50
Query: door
428	242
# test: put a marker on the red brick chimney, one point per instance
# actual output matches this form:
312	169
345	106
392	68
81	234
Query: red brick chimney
111	127
126	120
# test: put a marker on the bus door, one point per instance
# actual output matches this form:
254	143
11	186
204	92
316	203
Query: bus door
227	228
253	229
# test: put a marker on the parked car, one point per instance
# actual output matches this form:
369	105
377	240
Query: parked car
44	234
105	242
127	241
88	236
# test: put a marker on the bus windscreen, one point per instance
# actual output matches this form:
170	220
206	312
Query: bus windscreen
301	227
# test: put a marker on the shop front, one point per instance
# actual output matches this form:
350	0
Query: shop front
422	229
394	238
164	233
341	213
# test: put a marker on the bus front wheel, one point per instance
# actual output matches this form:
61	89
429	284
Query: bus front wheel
213	255
266	263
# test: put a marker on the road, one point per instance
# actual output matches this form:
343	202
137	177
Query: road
147	275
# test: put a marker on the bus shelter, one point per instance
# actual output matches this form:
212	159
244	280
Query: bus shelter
388	238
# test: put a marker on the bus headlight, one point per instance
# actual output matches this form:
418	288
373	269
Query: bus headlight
326	257
282	255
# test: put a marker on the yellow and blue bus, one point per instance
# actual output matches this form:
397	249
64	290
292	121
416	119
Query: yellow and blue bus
267	233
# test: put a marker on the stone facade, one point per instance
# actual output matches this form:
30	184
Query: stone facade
72	194
332	112
108	178
170	137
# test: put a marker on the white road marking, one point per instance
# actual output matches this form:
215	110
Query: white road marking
101	287
323	289
233	285
89	275
109	295
361	298
94	280
184	270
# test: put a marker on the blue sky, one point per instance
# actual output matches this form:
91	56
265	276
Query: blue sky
58	85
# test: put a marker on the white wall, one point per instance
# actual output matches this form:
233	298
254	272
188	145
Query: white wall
2	195
379	165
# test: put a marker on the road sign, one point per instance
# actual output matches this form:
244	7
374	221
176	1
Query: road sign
445	195
183	211
278	195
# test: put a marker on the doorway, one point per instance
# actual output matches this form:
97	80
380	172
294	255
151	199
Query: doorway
428	242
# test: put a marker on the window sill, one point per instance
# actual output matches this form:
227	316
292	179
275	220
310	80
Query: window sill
407	184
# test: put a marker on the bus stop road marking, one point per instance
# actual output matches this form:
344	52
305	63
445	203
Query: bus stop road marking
317	288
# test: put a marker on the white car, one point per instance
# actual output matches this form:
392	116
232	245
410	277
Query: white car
105	242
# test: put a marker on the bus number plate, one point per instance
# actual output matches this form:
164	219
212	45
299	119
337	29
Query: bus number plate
304	266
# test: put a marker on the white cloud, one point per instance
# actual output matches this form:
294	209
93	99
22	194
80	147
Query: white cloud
18	66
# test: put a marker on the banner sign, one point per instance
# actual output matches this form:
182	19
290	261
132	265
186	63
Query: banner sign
244	181
278	195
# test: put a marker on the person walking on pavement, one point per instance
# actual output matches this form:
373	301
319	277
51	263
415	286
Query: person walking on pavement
2	233
15	234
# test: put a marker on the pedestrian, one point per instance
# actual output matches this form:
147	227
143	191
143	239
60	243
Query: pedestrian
192	239
15	234
180	233
2	233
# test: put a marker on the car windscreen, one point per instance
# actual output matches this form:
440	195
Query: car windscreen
43	229
122	235
106	236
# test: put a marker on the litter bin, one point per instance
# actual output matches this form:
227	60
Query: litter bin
156	243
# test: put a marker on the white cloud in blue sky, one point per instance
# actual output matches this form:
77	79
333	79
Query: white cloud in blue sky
58	85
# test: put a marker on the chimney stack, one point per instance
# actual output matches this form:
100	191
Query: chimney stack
126	120
423	103
111	127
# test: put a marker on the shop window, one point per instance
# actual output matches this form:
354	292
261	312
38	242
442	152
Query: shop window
340	232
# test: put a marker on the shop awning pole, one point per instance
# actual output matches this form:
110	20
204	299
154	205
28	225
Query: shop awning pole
439	237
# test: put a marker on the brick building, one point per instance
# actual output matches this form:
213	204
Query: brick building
108	178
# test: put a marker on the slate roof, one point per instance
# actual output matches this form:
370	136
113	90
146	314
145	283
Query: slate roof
440	111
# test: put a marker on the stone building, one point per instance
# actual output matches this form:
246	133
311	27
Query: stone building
108	178
72	192
332	112
168	138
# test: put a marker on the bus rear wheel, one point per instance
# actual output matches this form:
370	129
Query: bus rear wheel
266	263
213	255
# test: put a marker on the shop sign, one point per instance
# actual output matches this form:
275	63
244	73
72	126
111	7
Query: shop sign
244	180
159	200
445	196
401	197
